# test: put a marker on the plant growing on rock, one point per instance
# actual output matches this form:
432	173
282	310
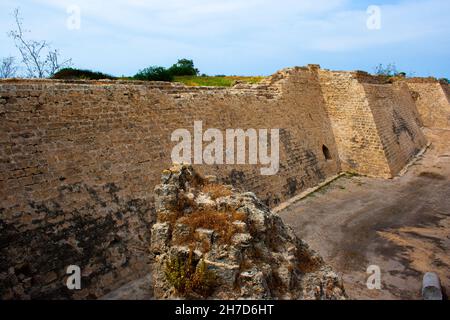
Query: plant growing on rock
231	239
190	279
216	190
219	222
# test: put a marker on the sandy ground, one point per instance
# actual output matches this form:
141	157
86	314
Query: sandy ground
139	289
401	225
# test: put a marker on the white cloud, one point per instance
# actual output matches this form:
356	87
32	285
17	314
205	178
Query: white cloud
404	22
226	36
324	25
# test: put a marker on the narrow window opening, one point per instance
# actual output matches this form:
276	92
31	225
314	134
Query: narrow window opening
326	153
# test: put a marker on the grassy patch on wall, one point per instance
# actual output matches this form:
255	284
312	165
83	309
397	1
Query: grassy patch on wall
220	222
215	81
188	277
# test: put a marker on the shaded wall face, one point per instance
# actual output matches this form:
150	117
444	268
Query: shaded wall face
447	91
79	164
359	145
433	103
395	116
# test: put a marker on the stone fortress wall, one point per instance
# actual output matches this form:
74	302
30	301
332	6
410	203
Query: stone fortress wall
432	100
79	159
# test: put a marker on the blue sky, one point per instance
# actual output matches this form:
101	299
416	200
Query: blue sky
242	37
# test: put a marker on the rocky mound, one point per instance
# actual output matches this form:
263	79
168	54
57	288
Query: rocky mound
212	242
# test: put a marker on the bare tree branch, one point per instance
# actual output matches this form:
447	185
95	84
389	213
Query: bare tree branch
53	64
8	67
39	58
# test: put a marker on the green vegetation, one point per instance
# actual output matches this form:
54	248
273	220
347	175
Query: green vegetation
188	278
183	71
154	74
80	74
184	67
216	81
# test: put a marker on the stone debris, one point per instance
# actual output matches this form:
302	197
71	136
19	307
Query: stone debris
431	287
229	247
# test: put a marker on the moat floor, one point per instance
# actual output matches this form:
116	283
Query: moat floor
139	289
401	225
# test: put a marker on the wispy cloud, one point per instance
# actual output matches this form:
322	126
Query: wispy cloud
401	23
235	36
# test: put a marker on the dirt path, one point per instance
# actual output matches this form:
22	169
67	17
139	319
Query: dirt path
401	225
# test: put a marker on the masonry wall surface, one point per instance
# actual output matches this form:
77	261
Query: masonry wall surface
375	122
79	161
432	101
359	144
397	123
447	91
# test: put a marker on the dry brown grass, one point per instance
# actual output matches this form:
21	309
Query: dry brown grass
170	217
238	216
216	190
220	222
183	203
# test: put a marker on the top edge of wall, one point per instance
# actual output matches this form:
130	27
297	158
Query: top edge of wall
361	76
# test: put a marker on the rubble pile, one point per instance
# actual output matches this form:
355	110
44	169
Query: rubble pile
211	241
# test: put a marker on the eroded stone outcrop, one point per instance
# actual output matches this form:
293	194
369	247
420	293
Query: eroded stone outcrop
212	241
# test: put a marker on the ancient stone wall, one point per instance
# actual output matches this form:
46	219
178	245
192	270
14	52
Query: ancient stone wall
359	144
395	116
432	101
447	91
79	161
376	123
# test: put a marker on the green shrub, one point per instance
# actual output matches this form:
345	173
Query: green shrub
184	67
77	74
154	74
187	277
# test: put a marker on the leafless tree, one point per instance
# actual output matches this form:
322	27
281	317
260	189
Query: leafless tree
8	67
39	58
